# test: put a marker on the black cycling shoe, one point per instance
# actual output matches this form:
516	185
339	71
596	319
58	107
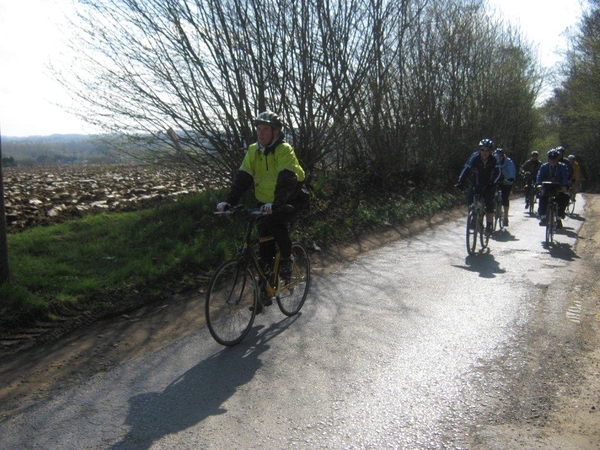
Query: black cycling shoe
259	309
263	301
285	269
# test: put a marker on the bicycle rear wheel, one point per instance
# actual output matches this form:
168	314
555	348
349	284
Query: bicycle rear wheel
472	227
231	292
292	295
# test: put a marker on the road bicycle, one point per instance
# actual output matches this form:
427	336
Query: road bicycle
475	223
242	286
498	214
551	189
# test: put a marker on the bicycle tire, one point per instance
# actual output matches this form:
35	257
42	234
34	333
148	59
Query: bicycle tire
232	291
551	219
572	204
472	229
531	202
484	238
498	218
292	295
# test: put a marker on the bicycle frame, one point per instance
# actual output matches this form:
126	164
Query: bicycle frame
247	254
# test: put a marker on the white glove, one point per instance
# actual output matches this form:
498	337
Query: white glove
223	206
267	208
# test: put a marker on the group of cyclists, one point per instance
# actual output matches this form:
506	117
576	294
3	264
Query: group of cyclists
489	168
271	168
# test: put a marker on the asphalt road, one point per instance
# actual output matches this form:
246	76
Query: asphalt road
413	346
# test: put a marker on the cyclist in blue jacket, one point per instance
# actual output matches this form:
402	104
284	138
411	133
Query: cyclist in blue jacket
483	170
509	173
554	172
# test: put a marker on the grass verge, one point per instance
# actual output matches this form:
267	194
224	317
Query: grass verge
109	263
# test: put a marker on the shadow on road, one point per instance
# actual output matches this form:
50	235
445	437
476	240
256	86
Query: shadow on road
484	263
562	251
503	236
197	394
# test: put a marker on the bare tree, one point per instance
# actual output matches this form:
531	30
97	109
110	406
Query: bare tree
369	84
207	67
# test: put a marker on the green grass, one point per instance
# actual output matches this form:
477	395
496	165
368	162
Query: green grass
100	262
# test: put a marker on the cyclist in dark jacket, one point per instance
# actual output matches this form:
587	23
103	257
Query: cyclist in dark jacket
555	172
483	171
509	173
529	172
564	160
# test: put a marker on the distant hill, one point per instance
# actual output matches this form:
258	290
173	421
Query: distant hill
55	149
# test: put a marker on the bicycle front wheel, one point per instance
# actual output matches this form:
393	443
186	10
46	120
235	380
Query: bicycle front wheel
231	293
484	237
531	202
291	296
498	218
550	224
472	227
572	204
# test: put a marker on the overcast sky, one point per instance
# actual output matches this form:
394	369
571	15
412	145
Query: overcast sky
30	39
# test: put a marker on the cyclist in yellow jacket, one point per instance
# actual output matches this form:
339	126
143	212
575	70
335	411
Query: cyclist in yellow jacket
576	174
271	167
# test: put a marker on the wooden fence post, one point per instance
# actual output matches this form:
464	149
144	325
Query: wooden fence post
4	269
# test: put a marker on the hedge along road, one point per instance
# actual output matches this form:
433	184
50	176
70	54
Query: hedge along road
414	345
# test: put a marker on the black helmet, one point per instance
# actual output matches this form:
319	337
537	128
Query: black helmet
560	148
553	154
499	151
268	118
487	143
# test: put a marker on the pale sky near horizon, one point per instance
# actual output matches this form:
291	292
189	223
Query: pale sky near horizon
30	39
